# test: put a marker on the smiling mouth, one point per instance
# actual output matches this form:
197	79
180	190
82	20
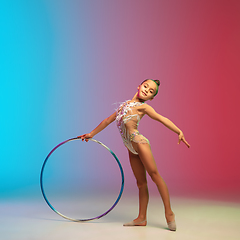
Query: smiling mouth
144	93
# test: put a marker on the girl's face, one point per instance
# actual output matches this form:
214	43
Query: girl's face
147	90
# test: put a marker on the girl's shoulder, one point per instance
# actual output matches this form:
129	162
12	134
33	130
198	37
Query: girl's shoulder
144	107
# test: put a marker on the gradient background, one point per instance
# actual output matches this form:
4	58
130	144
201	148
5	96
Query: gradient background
64	63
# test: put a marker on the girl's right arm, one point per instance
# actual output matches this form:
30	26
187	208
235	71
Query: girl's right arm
99	128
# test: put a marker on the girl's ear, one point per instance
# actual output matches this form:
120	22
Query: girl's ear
151	98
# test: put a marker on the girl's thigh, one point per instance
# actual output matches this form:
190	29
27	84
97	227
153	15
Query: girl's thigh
138	168
146	156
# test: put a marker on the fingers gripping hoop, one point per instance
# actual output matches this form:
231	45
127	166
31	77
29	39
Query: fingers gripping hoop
88	219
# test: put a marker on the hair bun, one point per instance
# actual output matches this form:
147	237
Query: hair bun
157	82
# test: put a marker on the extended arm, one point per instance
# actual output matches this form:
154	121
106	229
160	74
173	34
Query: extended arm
99	128
169	124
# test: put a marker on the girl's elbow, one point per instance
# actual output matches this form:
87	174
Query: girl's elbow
161	119
109	120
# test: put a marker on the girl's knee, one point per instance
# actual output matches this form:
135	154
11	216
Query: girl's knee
155	176
142	184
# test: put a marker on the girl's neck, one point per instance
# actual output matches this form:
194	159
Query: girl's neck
136	99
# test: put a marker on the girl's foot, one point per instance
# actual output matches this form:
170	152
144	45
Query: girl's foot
171	221
136	222
172	226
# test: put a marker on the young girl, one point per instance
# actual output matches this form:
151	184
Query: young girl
141	159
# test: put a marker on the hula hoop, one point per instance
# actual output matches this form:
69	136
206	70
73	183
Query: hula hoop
89	219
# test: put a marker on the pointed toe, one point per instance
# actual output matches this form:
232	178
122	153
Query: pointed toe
172	226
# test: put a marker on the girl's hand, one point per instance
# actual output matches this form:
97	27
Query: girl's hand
181	138
85	136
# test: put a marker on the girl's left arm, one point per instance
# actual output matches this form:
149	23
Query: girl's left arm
165	121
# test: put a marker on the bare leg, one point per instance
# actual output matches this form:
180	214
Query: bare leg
139	172
147	159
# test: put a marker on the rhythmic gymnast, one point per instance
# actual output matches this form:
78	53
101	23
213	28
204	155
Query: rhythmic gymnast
141	159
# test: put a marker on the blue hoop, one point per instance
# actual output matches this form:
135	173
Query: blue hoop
89	219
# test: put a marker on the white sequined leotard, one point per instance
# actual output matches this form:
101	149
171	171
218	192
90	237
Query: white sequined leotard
127	119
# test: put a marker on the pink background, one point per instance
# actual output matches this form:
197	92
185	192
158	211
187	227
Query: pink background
193	48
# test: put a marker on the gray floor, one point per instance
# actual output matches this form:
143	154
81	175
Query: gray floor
196	219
